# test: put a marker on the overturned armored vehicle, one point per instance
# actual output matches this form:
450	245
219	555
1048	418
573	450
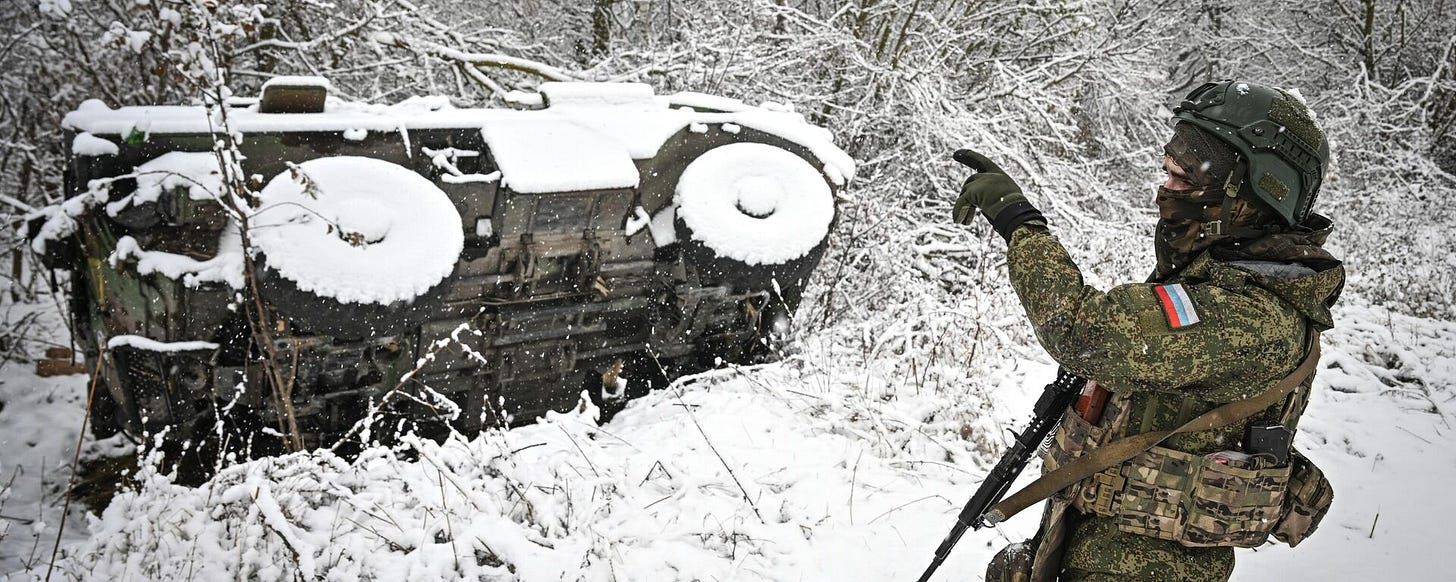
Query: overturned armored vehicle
466	267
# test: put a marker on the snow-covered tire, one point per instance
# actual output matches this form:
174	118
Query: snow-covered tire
753	216
311	313
354	247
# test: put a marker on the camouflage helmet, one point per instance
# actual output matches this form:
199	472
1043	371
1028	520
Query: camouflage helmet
1282	151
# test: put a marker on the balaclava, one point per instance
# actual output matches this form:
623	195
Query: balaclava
1186	216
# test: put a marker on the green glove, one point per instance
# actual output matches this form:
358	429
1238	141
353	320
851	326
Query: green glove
996	195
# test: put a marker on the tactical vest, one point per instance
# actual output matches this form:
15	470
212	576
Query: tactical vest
1216	499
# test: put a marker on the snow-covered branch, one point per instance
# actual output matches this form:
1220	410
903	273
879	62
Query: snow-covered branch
493	60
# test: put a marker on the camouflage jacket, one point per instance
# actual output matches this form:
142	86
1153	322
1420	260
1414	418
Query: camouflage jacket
1170	350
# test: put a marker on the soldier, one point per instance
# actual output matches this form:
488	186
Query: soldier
1242	285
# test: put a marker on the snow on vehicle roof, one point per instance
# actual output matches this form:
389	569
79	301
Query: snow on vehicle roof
624	113
696	100
598	94
298	81
358	230
86	144
540	155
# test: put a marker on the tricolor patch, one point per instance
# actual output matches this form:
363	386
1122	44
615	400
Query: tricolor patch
1177	305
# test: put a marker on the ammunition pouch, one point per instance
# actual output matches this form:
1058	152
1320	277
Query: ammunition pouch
1038	559
1073	438
1195	500
1012	563
1308	499
1226	498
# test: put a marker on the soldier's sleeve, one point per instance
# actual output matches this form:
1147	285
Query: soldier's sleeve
1142	337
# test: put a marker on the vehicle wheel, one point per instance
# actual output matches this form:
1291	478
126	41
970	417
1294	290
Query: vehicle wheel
354	247
310	312
753	217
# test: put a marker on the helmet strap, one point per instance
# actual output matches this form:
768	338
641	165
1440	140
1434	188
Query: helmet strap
1231	187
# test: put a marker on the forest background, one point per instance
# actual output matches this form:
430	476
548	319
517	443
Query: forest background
1072	94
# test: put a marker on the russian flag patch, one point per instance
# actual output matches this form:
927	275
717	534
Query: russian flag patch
1177	305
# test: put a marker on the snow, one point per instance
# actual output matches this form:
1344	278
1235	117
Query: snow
621	114
357	230
638	221
134	40
800	470
195	172
539	155
786	107
17	204
39	423
1294	92
558	95
471	178
86	144
224	267
61	218
92	107
151	345
297	81
704	101
405	139
445	160
524	99
55	8
662	229
755	203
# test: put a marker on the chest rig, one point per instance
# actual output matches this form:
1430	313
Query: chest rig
1222	498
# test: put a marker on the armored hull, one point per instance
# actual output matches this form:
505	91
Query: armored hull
491	264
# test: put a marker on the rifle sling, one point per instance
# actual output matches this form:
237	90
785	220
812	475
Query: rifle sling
1126	448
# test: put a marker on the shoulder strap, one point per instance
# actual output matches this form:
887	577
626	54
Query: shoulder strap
1126	448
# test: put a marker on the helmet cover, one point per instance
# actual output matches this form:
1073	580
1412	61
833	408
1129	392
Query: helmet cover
1282	150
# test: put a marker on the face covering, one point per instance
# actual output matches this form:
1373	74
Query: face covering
1180	237
1186	215
1184	221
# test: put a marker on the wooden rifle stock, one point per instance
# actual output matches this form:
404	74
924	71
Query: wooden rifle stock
1091	402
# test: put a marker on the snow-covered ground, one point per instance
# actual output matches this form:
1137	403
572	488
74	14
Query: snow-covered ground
820	467
40	419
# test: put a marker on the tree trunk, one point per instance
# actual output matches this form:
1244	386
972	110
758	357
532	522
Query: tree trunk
1367	47
601	26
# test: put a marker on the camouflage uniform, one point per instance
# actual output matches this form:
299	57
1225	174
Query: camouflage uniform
1241	290
1254	307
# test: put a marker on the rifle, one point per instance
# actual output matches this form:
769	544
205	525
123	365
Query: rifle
978	513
